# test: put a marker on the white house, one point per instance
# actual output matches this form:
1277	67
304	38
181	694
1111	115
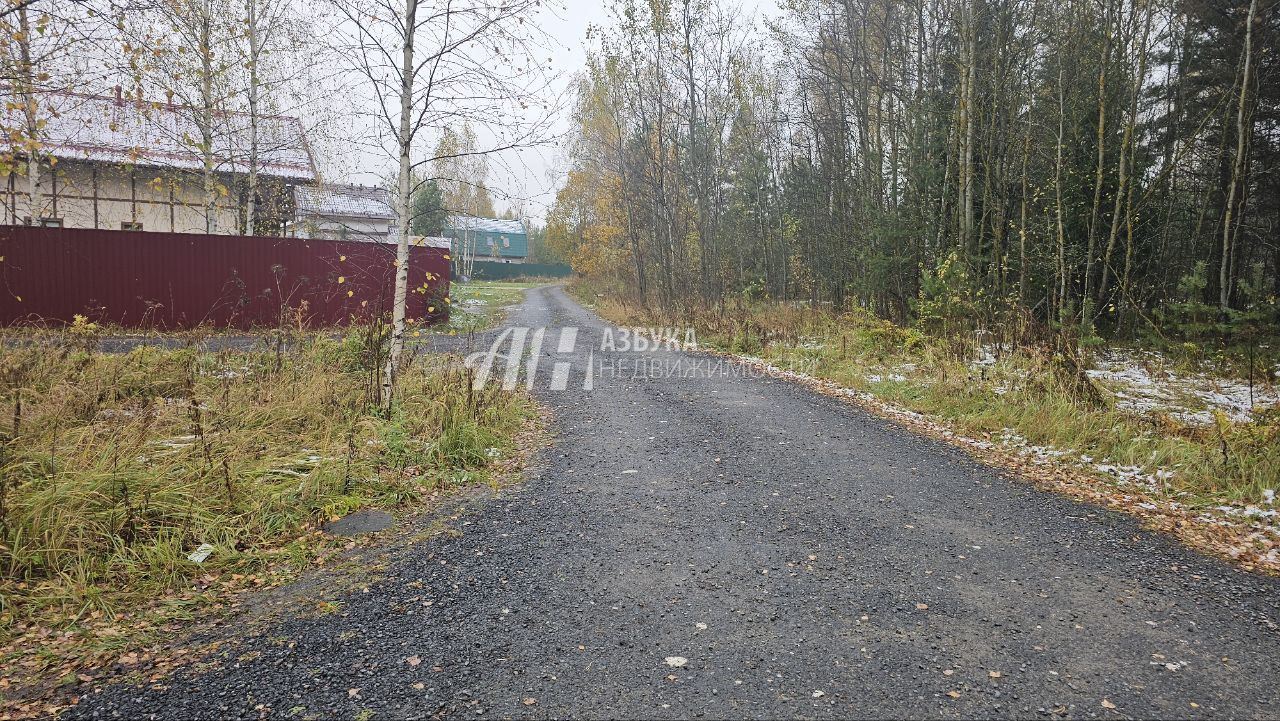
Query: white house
123	164
342	212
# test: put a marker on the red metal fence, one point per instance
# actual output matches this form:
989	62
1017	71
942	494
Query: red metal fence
178	280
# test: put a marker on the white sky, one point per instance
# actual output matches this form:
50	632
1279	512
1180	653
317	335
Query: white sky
531	176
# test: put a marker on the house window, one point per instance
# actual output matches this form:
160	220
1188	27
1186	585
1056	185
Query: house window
130	226
46	222
488	242
506	242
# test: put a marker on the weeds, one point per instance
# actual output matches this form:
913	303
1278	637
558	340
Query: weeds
113	468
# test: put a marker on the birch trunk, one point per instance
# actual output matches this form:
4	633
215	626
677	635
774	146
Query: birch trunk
1237	170
26	73
251	202
1101	140
205	116
404	140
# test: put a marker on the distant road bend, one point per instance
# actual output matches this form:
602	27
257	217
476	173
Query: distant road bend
735	546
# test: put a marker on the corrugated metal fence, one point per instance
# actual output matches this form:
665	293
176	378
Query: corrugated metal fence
177	280
490	270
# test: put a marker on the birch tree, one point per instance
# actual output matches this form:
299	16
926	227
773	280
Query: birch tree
269	29
426	67
183	50
41	58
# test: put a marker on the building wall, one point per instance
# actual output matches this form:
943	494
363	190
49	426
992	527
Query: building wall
344	228
510	247
104	196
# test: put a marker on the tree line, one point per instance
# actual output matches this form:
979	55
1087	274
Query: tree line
1106	165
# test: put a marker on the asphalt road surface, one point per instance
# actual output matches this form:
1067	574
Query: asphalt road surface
702	543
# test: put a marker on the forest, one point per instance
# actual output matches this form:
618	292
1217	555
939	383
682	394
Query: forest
1108	168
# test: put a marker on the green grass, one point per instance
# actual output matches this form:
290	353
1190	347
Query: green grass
481	304
116	467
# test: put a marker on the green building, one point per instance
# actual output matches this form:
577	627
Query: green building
503	241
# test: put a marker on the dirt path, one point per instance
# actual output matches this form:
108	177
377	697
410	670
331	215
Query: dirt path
731	546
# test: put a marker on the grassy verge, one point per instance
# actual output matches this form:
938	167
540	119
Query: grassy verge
1213	483
481	304
116	467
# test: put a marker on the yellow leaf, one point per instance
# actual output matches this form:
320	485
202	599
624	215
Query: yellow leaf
364	303
417	333
342	279
431	309
953	694
342	257
350	293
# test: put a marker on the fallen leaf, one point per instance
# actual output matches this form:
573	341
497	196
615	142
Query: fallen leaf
413	660
818	694
419	685
994	674
922	606
953	694
676	661
353	692
529	701
948	671
1107	704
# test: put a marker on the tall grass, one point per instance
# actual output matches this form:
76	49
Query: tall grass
115	467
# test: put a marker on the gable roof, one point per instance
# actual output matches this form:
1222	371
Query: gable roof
164	135
484	225
345	201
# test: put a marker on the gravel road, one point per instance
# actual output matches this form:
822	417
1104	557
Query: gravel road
717	545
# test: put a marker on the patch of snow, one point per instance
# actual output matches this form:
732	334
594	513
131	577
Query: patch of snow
1141	383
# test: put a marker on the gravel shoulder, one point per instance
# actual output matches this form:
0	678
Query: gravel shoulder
722	545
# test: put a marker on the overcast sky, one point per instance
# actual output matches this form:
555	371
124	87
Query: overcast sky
533	175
